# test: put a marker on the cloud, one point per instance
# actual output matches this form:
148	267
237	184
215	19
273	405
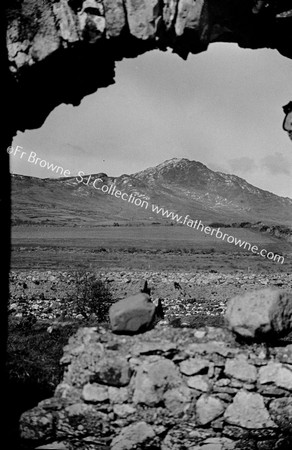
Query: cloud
244	164
276	164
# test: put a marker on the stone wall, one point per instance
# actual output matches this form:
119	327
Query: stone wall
167	389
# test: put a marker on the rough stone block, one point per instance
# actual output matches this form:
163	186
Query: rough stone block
193	366
276	373
240	369
248	411
263	314
132	315
208	408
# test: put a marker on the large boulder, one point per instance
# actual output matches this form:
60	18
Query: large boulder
261	314
134	314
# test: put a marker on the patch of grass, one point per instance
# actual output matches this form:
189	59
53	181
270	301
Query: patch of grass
33	366
34	354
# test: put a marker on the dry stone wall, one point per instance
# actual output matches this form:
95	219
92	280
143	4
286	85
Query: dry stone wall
167	389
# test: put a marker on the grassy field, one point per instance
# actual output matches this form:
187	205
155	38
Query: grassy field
156	247
155	236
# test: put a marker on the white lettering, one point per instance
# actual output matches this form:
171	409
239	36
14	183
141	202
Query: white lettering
32	155
80	173
17	149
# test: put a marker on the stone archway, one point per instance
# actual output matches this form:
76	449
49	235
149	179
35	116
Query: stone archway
60	51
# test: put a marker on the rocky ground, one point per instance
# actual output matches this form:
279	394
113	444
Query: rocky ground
49	295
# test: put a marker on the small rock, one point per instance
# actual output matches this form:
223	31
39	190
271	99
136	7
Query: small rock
192	366
133	435
93	393
118	395
177	400
208	408
216	443
285	354
123	410
198	382
13	307
199	334
223	382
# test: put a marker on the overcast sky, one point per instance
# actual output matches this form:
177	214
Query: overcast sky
222	107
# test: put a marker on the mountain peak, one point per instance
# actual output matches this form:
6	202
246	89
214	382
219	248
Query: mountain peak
173	163
175	170
177	184
175	160
179	162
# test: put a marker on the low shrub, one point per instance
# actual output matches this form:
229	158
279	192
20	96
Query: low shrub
92	297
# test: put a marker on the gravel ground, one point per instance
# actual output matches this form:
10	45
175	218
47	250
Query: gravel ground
49	295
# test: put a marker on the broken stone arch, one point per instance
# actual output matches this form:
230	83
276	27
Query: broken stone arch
58	51
62	50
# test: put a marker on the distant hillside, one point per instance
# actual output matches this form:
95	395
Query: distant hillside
178	185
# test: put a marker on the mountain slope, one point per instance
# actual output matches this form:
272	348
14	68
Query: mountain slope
179	185
218	191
